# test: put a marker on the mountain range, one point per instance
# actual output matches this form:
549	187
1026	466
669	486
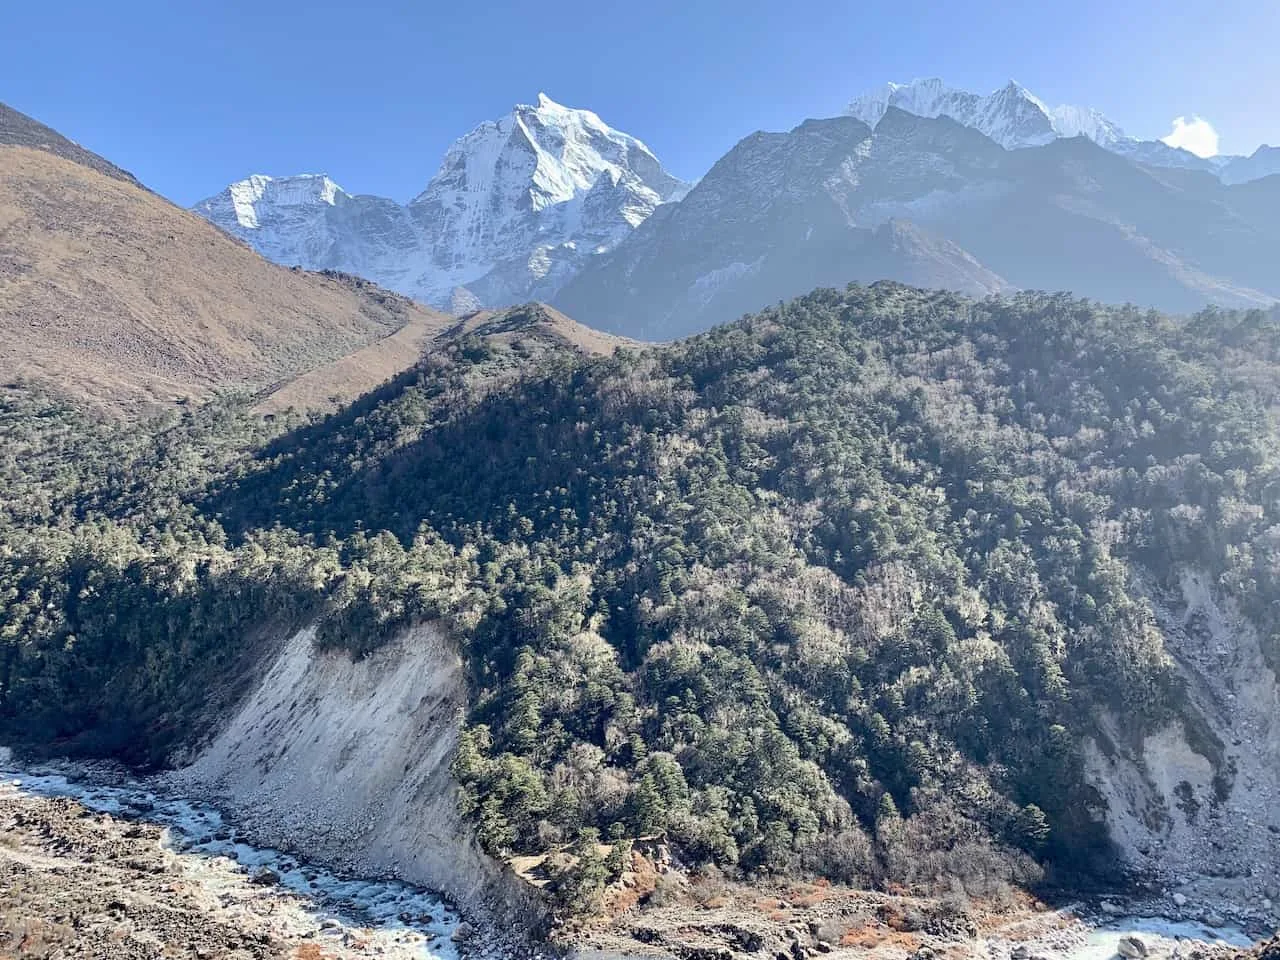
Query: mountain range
517	207
1014	117
933	203
919	182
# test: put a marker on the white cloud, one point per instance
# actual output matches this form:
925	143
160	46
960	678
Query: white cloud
1196	135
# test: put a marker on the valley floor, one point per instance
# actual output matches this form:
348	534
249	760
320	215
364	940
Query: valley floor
811	921
90	871
84	883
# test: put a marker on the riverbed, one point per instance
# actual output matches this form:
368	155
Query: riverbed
189	853
106	857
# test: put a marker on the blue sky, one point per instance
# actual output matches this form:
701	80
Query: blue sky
192	95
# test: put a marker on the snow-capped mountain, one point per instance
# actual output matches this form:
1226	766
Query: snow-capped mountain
518	206
919	182
1016	118
931	202
310	221
1012	116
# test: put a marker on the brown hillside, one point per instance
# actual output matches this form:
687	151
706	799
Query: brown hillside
110	292
346	378
19	130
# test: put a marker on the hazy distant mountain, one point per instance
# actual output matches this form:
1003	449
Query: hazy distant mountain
1263	162
1014	117
931	202
517	207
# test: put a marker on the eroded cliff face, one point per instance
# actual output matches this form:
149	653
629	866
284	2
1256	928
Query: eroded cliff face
1197	803
347	762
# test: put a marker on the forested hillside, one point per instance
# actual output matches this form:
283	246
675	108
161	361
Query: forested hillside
833	589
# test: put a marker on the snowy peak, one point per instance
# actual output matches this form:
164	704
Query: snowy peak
1086	122
558	151
1012	116
514	210
547	185
246	201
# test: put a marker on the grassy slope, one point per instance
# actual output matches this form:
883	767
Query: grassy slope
110	292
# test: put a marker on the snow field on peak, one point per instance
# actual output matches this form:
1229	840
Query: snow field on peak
295	191
544	178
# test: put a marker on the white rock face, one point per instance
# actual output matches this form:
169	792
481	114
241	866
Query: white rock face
1015	118
518	206
1198	801
349	762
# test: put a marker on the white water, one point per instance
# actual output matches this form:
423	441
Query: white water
398	921
1102	943
394	919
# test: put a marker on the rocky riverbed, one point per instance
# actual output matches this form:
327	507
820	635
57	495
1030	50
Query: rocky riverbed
94	864
116	871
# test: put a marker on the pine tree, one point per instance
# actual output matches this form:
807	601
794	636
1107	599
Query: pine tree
649	809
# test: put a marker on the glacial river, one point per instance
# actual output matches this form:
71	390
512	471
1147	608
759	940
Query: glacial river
395	920
390	918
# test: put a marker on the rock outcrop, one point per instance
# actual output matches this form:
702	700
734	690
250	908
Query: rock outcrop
1197	803
348	762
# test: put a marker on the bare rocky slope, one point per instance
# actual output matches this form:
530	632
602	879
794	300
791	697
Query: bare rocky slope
348	762
109	292
1197	804
19	130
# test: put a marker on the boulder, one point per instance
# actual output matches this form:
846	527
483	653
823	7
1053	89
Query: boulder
1132	948
265	877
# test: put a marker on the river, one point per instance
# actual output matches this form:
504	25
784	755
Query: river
374	917
353	917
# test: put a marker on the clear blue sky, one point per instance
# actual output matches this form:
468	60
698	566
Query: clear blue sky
190	95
